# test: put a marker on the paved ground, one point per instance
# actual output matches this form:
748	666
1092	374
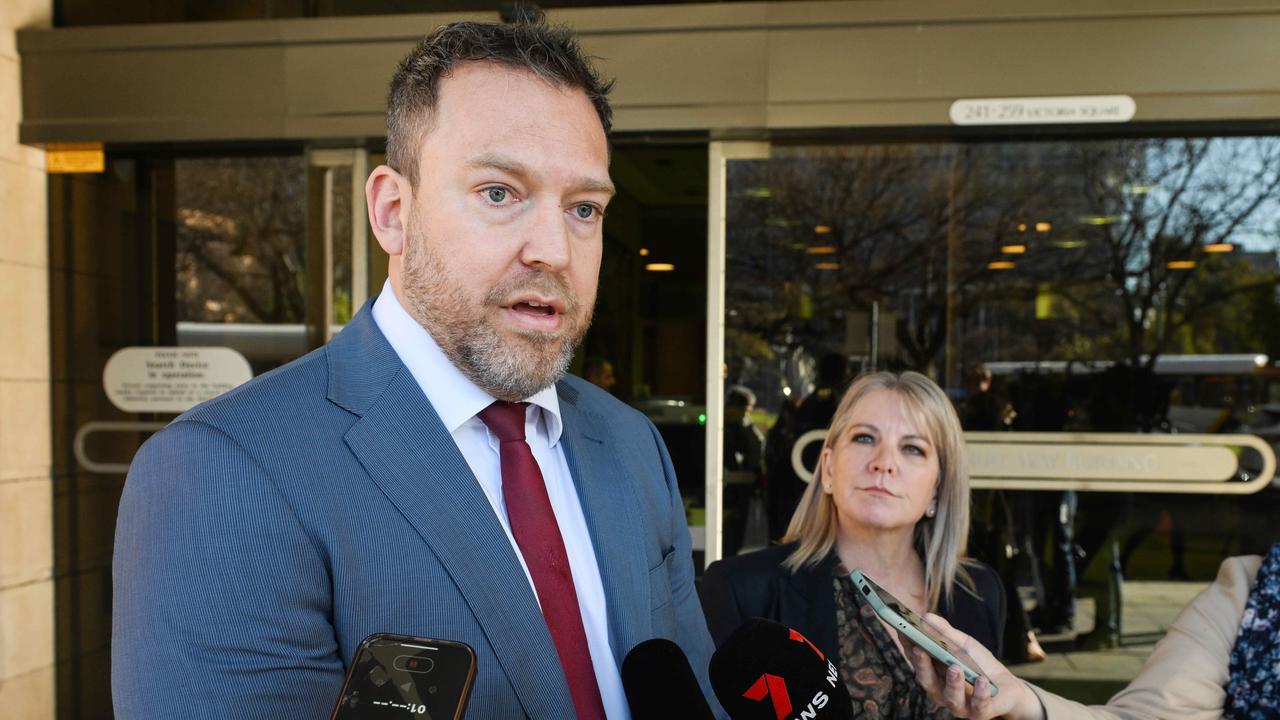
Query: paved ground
1093	676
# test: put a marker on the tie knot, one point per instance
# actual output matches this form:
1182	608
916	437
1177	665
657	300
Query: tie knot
505	419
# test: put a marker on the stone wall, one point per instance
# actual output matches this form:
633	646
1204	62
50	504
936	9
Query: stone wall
26	515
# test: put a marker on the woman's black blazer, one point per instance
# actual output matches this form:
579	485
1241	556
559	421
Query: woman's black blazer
739	588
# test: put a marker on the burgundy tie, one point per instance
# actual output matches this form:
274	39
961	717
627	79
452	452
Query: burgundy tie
534	525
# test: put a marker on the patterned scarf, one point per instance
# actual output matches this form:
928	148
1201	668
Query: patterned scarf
879	680
1253	692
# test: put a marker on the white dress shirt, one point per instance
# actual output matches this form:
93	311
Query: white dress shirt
457	401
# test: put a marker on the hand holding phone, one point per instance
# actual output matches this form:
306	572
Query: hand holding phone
400	677
1016	701
914	628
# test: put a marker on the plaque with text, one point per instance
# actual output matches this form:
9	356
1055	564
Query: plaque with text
1068	110
171	379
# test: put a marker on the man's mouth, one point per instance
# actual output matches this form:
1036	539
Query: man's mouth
538	314
533	308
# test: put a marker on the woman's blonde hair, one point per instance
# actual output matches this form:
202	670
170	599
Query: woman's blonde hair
941	540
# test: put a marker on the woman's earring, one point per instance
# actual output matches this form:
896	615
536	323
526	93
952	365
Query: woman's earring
933	509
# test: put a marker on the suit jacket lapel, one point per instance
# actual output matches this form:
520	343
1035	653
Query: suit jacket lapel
807	600
606	490
410	455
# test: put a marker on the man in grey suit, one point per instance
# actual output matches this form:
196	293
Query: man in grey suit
431	471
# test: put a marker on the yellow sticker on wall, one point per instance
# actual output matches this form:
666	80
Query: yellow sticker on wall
61	158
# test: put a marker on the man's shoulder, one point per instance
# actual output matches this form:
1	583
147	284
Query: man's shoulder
353	369
222	447
287	390
595	400
280	423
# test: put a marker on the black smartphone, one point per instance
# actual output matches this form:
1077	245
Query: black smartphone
400	677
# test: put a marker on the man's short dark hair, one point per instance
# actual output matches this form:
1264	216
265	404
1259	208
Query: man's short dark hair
550	52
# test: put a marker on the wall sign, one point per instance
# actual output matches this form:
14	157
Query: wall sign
1070	110
63	158
171	379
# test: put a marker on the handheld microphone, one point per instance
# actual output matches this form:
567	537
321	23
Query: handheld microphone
660	685
767	671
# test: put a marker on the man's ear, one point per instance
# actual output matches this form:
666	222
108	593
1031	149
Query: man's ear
389	197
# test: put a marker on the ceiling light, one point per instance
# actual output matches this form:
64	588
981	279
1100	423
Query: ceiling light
827	266
822	229
1022	227
822	250
1100	219
1181	264
659	267
1013	249
1219	248
1043	227
644	252
1000	265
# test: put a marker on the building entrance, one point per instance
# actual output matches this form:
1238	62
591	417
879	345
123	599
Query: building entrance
267	252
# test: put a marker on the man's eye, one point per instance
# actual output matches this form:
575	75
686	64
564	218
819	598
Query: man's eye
496	195
586	211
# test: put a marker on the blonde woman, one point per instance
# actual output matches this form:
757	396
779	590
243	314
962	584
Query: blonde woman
890	497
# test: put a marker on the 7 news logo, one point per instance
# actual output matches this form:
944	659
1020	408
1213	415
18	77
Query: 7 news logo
775	688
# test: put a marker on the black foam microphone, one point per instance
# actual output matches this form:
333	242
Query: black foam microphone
767	671
660	685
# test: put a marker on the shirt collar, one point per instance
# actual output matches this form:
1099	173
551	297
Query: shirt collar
455	398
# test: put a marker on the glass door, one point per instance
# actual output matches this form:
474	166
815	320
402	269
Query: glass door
253	256
348	266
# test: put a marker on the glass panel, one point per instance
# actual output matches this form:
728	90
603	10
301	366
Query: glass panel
340	222
100	284
154	251
1122	285
649	331
241	255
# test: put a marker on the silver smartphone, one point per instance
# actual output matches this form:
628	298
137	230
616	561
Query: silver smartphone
915	628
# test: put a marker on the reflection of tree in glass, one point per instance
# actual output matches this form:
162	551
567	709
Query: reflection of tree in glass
818	232
1099	250
241	239
1172	249
1159	209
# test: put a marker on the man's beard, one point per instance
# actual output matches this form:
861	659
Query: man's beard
509	365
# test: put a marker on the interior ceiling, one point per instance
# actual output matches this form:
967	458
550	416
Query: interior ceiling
657	176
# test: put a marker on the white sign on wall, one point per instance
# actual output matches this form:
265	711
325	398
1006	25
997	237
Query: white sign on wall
1069	110
171	379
